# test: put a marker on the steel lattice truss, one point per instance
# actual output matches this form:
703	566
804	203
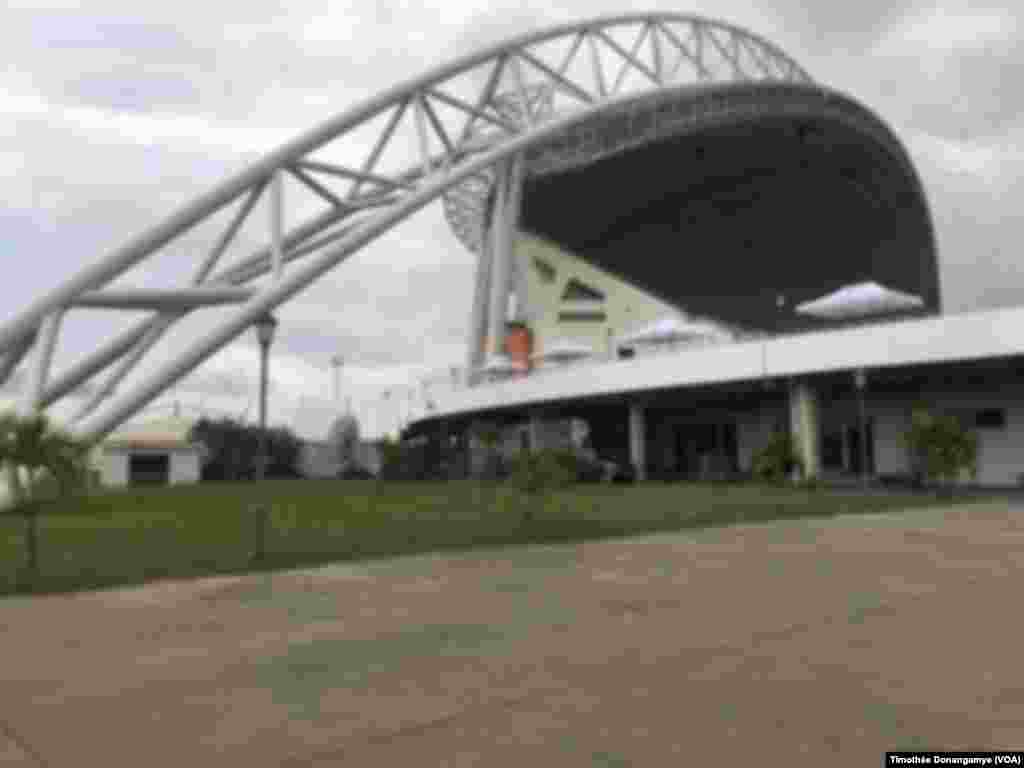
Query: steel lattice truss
437	136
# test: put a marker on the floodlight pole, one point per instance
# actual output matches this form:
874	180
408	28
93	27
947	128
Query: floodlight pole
336	362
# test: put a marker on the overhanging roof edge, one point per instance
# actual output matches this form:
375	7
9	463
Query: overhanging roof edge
920	341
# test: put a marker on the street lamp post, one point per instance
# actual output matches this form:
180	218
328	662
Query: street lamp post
265	328
860	381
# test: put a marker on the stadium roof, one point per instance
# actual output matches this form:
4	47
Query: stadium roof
738	201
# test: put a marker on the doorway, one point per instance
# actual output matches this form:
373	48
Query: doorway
855	456
149	469
706	449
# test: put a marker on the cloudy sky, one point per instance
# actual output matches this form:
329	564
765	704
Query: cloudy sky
113	113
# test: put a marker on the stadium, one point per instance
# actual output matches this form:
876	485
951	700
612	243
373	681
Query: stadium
683	242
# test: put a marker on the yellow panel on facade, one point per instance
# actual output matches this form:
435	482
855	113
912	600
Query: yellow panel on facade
595	323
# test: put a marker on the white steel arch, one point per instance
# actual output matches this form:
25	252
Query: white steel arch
464	119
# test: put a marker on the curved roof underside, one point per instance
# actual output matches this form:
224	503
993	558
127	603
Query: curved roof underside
722	198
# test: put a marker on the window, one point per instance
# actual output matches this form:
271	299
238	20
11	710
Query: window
546	271
990	418
582	316
577	291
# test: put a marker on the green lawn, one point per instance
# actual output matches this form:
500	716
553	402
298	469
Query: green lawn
134	535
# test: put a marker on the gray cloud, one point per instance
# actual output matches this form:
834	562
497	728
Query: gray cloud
116	115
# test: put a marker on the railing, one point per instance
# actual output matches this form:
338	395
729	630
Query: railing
458	378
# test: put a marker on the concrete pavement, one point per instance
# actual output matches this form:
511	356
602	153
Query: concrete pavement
795	642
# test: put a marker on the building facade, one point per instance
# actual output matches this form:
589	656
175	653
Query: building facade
157	452
705	411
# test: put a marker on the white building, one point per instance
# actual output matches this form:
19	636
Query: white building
734	208
155	452
706	410
319	459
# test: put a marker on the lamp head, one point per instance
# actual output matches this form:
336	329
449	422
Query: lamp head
265	328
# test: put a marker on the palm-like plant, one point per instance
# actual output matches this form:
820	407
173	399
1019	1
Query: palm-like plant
9	455
942	446
34	445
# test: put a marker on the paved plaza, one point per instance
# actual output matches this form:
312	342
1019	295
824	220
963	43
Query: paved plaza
789	641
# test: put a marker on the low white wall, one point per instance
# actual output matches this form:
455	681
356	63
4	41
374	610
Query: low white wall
114	468
1000	451
184	466
891	421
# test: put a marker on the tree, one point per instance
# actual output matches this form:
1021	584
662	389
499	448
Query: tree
343	436
231	450
225	451
942	446
34	446
404	460
283	447
42	451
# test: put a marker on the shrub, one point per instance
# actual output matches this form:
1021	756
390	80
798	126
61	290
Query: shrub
488	433
403	461
777	460
540	471
355	472
233	451
942	445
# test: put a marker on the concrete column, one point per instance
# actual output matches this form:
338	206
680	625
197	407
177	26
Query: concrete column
637	441
502	236
804	425
518	258
479	318
536	432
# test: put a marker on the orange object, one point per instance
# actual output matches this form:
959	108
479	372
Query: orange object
519	344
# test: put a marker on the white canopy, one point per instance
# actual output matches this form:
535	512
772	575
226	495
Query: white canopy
670	328
501	364
564	350
859	300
